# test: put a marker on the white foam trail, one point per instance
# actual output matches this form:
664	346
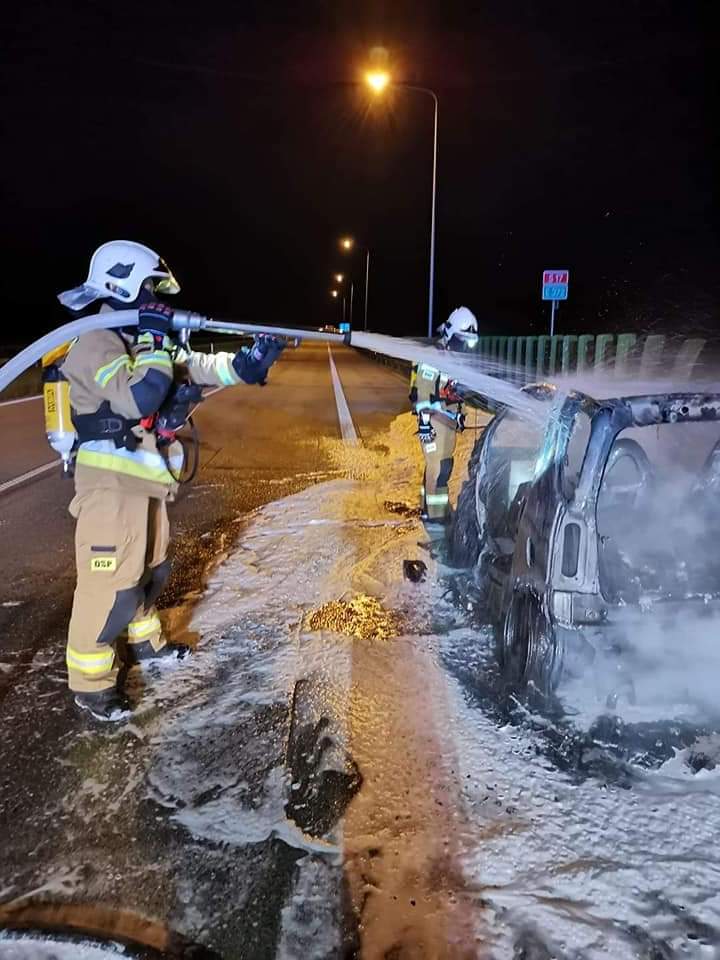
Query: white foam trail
475	372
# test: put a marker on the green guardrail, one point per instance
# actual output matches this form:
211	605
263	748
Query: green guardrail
623	354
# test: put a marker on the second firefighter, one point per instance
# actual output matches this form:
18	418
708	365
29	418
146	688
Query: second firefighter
438	404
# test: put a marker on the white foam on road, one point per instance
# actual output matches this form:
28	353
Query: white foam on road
28	948
587	868
347	427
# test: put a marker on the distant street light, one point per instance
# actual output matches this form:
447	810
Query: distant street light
347	244
340	278
378	81
333	293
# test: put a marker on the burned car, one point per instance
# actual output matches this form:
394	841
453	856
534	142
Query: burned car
585	525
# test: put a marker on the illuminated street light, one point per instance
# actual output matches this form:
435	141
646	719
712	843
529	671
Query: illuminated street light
347	244
333	293
339	279
378	80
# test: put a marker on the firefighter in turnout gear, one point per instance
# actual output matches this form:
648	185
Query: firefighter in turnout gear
125	385
438	404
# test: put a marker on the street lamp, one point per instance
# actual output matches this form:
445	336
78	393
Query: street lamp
346	245
340	278
335	294
379	81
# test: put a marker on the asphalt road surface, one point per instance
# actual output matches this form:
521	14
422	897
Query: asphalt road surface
258	444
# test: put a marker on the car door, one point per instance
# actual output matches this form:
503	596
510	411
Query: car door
502	476
558	468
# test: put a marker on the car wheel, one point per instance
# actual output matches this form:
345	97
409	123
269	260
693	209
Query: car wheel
464	534
531	650
467	529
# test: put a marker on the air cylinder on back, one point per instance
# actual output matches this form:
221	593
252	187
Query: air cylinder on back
59	429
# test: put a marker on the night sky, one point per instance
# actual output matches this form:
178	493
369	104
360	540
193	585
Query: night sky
234	139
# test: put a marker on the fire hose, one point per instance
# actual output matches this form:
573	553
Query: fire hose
182	320
175	413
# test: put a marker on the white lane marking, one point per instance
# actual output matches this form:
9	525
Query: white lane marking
347	427
9	403
9	484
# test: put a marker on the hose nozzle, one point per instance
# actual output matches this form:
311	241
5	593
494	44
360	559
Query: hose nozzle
187	320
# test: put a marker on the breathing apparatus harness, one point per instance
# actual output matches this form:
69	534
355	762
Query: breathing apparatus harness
52	348
66	429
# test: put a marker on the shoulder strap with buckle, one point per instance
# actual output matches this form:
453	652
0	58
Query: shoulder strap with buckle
105	424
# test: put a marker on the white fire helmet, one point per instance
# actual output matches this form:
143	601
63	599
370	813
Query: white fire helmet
118	269
461	324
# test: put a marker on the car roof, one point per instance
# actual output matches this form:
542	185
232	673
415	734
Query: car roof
654	408
646	408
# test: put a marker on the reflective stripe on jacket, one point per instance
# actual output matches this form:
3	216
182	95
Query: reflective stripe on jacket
140	463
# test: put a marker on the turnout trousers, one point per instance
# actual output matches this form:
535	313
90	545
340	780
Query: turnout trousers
434	497
121	545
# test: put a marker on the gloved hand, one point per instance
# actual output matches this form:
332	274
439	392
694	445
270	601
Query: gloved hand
266	349
252	365
155	319
426	434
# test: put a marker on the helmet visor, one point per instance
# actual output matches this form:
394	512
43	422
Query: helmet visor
80	297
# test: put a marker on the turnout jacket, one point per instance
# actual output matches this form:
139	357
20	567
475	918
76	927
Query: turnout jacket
108	367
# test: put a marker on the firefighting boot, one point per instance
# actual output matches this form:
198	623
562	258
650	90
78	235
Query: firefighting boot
144	653
107	706
172	651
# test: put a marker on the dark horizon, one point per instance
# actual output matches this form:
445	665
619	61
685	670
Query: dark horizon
236	143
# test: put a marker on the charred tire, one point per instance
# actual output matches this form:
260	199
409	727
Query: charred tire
531	650
464	534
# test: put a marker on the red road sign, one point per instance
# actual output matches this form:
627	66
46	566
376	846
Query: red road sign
556	276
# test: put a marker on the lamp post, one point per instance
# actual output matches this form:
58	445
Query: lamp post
379	81
347	245
340	278
335	294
